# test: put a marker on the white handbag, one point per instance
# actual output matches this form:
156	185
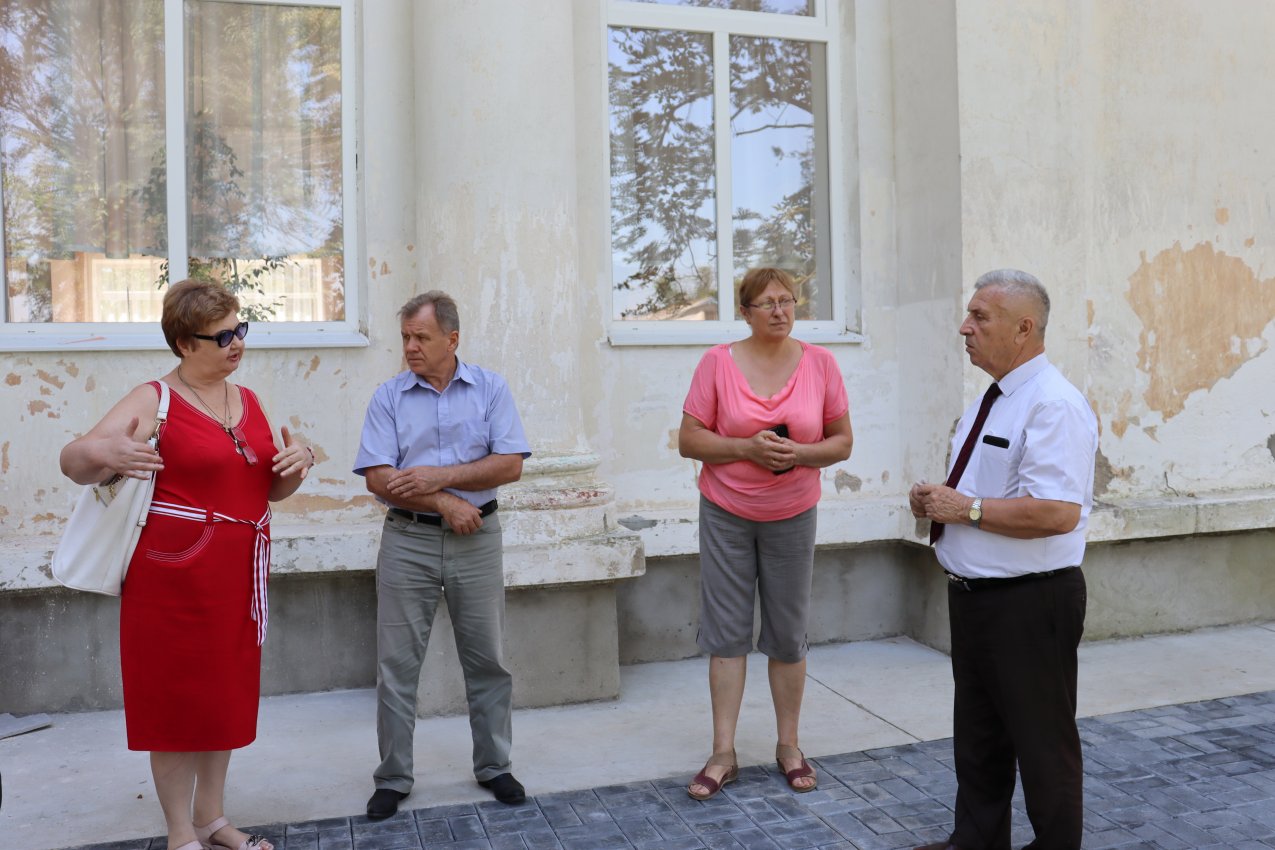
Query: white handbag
98	541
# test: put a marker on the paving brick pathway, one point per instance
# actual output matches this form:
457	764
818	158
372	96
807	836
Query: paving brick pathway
1182	777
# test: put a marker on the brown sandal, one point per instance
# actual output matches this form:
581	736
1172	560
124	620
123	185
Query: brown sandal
783	751
713	785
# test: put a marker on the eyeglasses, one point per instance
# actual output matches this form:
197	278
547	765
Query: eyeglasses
768	305
223	338
241	442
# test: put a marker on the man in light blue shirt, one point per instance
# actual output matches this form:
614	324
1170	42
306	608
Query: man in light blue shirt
438	439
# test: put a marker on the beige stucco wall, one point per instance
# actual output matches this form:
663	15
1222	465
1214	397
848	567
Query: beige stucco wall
1118	149
1116	152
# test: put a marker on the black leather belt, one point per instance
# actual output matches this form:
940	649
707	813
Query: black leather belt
434	519
970	584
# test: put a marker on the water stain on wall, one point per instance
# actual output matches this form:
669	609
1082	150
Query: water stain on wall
1192	337
303	503
1104	473
845	481
49	378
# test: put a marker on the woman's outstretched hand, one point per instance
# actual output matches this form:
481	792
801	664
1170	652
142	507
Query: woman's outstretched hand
124	454
295	458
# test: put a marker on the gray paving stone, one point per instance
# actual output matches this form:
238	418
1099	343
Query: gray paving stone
387	841
433	831
454	810
329	841
684	843
1196	776
466	827
505	842
745	839
639	830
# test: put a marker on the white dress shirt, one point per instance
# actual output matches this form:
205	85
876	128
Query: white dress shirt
1039	440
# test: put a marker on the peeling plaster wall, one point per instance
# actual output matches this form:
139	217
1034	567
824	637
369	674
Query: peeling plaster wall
901	274
1118	150
46	399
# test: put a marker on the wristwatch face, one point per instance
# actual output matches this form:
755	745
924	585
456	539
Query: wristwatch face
976	512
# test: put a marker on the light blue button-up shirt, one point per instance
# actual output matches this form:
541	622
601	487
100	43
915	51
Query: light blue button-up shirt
409	423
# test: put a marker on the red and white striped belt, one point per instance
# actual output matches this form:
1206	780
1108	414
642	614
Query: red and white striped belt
260	558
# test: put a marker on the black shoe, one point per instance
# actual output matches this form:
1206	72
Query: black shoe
507	789
384	803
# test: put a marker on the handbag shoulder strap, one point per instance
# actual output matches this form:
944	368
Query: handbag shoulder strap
161	415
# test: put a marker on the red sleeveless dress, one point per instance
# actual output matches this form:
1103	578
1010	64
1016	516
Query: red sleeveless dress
192	610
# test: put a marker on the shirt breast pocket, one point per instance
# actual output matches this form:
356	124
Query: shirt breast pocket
475	439
995	467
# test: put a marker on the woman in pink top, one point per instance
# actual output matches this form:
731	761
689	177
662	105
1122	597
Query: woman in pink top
764	415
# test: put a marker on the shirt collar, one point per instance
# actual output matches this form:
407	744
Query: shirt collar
463	373
1024	373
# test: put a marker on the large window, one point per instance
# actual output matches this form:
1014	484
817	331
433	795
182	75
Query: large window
144	141
720	134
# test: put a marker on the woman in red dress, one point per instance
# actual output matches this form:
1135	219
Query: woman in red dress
193	610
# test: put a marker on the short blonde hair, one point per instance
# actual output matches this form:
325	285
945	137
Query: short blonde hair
192	305
756	280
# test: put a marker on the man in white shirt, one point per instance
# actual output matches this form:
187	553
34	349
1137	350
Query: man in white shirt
1009	530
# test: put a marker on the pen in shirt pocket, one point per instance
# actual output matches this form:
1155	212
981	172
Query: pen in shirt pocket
998	442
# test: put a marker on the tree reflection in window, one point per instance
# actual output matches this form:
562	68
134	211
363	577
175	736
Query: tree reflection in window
85	225
663	227
663	192
777	188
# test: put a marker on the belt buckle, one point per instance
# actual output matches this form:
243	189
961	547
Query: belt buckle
962	583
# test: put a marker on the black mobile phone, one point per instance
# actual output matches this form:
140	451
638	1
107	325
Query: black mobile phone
781	430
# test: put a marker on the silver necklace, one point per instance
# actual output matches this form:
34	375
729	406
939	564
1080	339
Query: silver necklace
224	423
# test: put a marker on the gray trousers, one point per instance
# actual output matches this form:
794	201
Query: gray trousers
736	555
419	564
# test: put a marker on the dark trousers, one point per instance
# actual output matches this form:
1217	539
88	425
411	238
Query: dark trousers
1014	665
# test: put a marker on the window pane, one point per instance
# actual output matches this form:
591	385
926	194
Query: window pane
663	224
779	164
263	156
82	158
781	7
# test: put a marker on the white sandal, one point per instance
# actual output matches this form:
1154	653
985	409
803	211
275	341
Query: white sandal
205	834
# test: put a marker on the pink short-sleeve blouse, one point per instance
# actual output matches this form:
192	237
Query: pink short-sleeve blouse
721	399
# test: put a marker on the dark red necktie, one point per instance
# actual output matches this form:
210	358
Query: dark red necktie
963	458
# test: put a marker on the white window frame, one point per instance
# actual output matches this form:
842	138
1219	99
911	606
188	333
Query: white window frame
823	28
146	336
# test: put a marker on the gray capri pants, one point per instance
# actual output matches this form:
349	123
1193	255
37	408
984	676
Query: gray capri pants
777	557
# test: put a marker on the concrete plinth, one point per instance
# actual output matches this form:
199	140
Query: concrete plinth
560	646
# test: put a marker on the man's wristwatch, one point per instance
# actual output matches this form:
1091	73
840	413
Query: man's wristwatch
976	512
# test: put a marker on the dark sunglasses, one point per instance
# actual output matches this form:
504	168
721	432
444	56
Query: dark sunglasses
223	338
